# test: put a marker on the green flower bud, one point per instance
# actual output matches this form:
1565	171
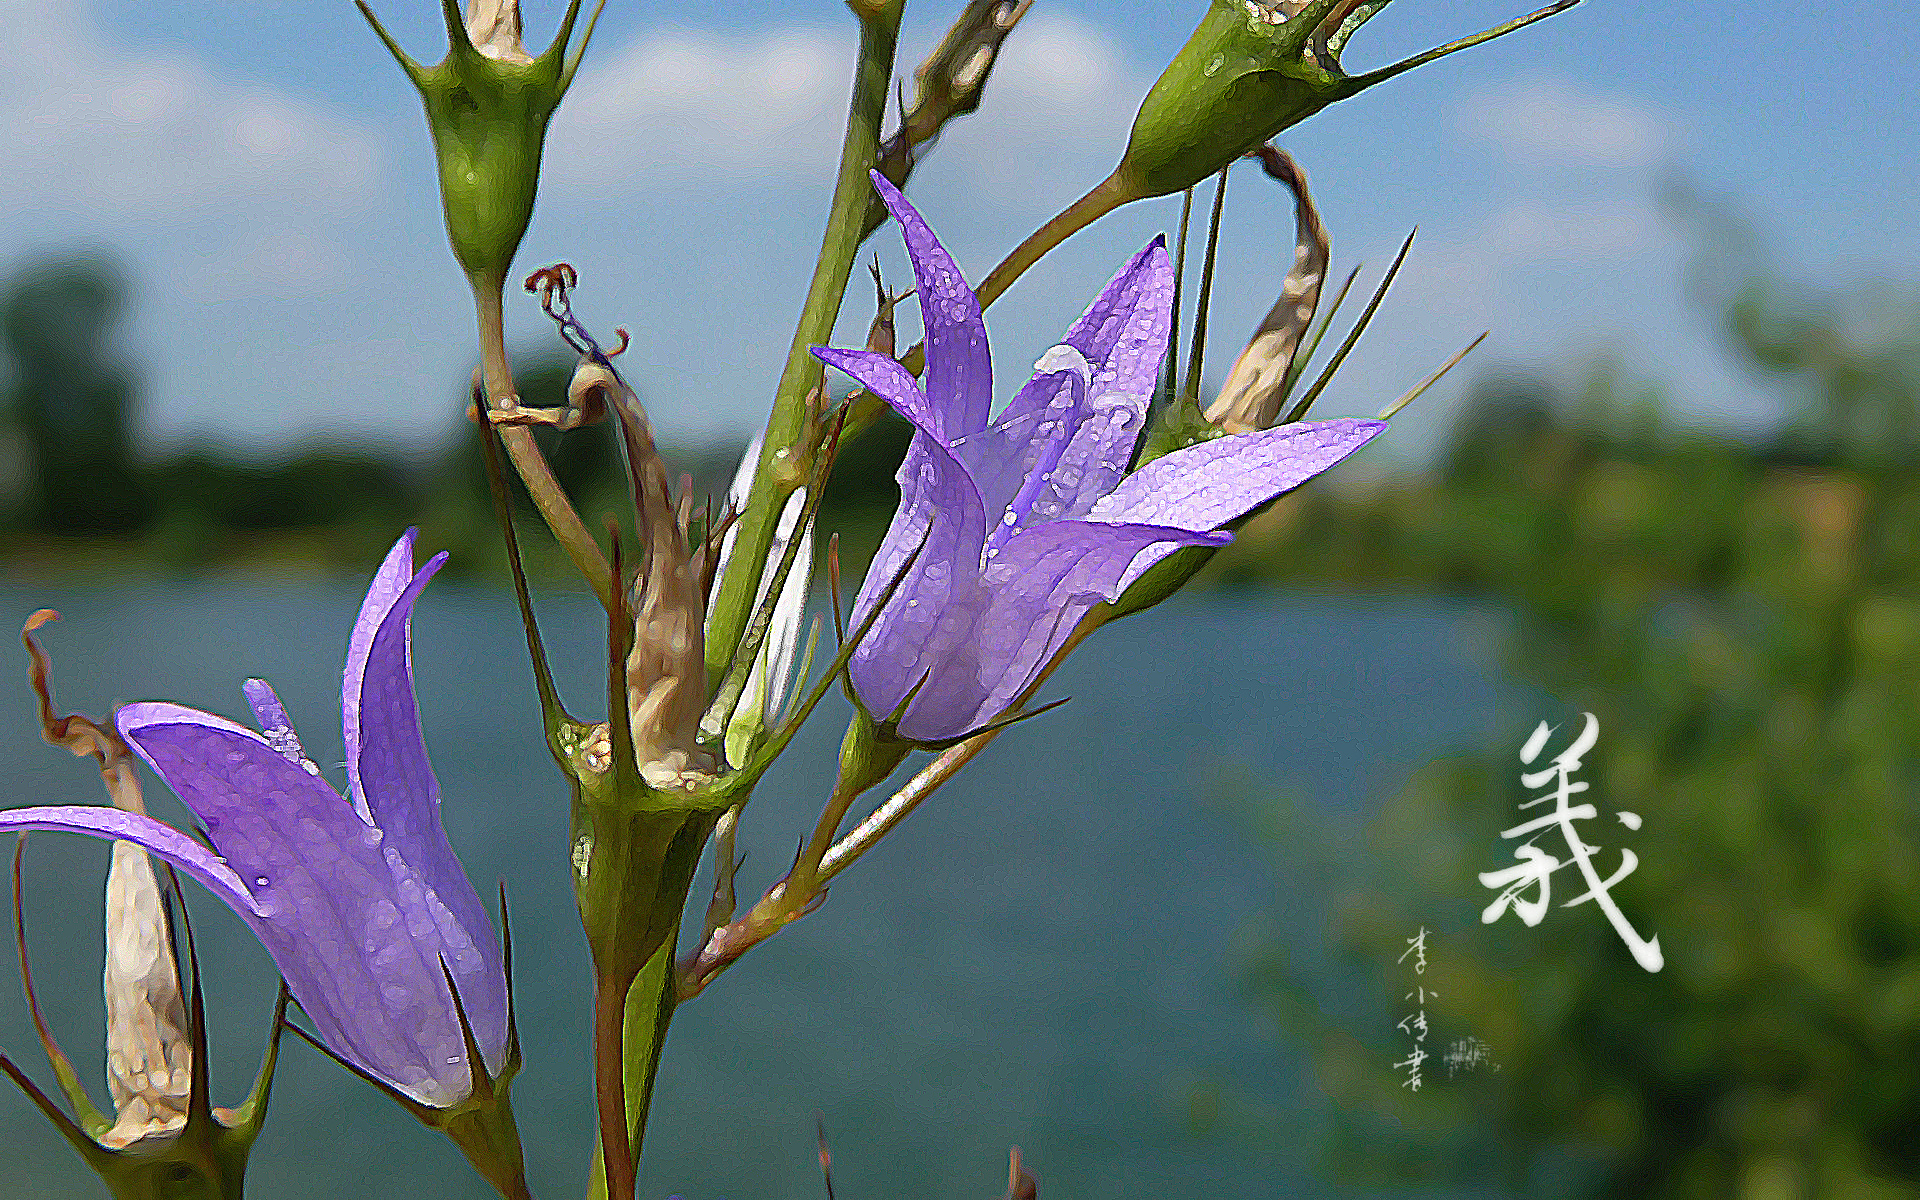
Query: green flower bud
1252	69
488	104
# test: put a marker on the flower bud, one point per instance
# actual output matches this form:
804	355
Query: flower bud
1252	69
488	104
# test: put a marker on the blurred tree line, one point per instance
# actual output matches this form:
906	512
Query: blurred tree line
75	481
1744	620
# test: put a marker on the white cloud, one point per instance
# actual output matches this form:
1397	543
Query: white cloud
727	109
685	106
1532	231
88	127
1556	121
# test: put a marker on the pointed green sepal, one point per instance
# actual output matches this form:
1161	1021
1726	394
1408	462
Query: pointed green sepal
204	1159
488	107
91	1120
481	1125
1252	69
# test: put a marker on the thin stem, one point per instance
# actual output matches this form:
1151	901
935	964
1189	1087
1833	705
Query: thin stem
609	1086
648	1011
1199	352
881	821
789	900
780	471
865	763
549	498
1106	196
1179	275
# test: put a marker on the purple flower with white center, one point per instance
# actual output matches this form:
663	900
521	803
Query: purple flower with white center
1031	520
360	899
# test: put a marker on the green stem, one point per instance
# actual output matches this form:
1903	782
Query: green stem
649	1009
549	498
1107	195
780	471
1198	354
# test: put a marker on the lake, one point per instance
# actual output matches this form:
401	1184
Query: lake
1046	955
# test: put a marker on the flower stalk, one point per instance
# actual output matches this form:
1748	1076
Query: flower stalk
785	452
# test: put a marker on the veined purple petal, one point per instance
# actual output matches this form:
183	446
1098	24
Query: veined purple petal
1207	485
398	786
1038	586
959	370
161	840
882	375
938	504
275	725
1123	336
388	582
1124	331
352	927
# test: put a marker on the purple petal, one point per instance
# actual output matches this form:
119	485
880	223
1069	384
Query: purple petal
887	379
1205	486
396	784
354	930
959	370
1040	584
388	582
161	840
938	503
1124	331
275	725
1123	335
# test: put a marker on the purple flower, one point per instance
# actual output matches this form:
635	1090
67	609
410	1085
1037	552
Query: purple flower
1030	521
359	900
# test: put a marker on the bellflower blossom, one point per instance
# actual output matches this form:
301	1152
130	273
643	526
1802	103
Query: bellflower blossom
359	899
1024	524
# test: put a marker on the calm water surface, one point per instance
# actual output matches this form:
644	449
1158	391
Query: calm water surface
1044	956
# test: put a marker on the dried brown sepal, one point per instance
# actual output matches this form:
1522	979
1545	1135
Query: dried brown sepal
949	84
1256	388
80	734
666	666
880	331
1021	1185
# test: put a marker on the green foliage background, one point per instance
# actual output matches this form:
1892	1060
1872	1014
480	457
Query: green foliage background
1745	623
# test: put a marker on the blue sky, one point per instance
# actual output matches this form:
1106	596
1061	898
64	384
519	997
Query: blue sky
264	173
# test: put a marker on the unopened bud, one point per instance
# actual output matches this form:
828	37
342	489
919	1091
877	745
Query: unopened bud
1252	69
488	103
